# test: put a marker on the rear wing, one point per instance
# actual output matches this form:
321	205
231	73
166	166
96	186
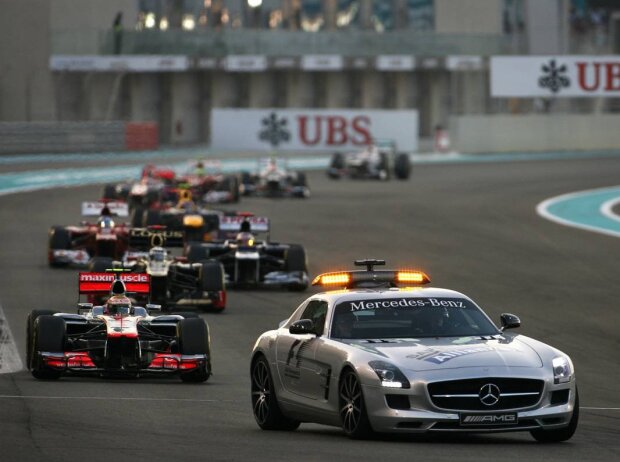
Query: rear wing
233	223
100	283
146	238
94	208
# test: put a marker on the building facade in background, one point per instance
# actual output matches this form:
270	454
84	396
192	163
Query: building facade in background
173	61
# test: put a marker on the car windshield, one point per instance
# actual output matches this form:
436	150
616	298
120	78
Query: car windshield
408	317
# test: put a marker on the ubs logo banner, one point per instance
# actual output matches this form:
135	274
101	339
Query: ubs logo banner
312	129
555	76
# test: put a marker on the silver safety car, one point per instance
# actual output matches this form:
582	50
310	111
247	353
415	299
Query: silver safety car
383	354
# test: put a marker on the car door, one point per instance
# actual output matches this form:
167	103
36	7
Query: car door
295	355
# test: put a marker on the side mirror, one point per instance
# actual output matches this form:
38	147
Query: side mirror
301	327
153	307
509	321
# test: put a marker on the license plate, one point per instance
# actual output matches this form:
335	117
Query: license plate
506	418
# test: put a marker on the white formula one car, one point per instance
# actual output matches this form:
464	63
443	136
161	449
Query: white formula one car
117	338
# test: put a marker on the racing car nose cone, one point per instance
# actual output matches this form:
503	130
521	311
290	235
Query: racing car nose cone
489	394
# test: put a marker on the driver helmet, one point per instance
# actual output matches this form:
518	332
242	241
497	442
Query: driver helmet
157	254
245	238
106	222
118	305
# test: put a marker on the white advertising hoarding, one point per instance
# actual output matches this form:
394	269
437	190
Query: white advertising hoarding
555	76
395	63
125	63
311	129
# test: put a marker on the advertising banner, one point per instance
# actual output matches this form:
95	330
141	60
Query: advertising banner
555	76
123	63
311	129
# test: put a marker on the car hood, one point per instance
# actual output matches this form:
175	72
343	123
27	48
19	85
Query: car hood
453	352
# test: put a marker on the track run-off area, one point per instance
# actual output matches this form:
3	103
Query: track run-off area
471	225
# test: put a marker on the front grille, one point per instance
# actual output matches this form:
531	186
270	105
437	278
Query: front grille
464	394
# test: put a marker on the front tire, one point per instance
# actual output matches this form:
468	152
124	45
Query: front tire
194	340
30	329
59	239
264	401
49	335
353	415
561	434
402	166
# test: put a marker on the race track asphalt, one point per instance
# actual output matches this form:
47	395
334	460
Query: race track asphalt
472	227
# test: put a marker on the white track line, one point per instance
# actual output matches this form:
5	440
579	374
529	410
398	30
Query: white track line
115	398
190	400
9	357
607	209
600	408
542	210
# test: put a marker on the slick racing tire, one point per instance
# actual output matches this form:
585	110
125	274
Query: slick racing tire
137	216
561	434
336	165
247	183
264	401
151	217
109	191
402	167
301	179
32	317
159	291
295	258
194	340
59	239
231	185
100	264
49	335
197	253
353	415
212	276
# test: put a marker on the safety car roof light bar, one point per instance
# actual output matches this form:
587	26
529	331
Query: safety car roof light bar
370	277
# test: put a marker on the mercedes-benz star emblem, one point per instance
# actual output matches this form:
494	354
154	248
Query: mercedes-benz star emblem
489	394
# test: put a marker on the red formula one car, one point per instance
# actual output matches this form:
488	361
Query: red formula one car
209	184
154	183
107	237
117	338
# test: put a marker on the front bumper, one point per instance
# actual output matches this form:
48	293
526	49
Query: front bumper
422	416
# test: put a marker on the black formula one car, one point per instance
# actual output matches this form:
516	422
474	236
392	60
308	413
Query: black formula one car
117	339
378	161
175	282
252	263
196	221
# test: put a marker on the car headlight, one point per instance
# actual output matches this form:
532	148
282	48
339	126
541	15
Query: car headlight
562	370
390	375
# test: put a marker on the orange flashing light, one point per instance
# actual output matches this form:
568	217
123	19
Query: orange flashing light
417	277
332	279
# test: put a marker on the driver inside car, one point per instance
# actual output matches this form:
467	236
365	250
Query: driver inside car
118	305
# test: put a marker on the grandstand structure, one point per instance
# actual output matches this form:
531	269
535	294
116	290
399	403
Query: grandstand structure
171	62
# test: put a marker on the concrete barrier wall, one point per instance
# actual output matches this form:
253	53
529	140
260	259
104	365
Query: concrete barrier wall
536	132
33	137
